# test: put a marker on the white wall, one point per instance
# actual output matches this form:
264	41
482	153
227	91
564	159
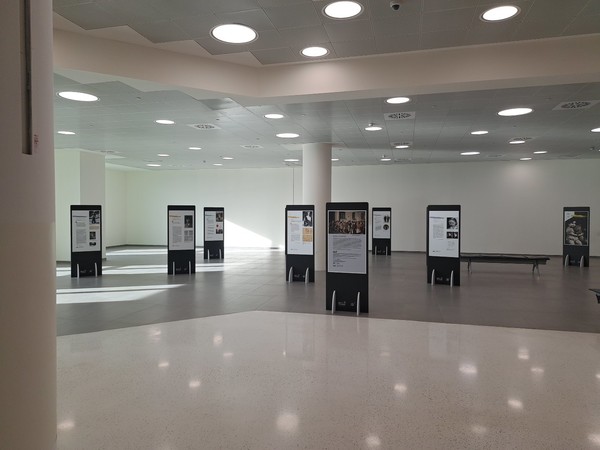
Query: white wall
509	207
67	168
254	202
115	214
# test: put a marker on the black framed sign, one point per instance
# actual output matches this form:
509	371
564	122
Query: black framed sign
86	240
300	243
214	233
381	231
576	236
181	239
443	244
347	277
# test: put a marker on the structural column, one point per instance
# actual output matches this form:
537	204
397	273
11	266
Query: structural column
27	264
316	190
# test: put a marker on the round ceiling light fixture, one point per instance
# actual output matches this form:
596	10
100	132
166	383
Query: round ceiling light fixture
291	160
517	141
194	148
479	132
540	152
469	153
596	130
287	135
314	52
234	33
500	13
373	127
515	112
274	116
525	159
401	146
397	100
343	10
78	96
164	122
66	133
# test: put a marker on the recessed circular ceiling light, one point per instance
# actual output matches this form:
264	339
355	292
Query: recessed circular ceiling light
540	152
525	159
515	112
343	10
78	96
287	135
234	33
291	160
479	132
373	127
194	148
314	52
164	122
500	13
469	153
596	130
385	159
217	164
517	141
227	158
164	155
401	146
397	100
335	159
274	116
66	133
153	165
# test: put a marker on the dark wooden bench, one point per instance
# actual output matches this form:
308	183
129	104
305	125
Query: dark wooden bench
534	260
597	292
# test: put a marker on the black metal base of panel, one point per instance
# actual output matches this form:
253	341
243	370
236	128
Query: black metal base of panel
298	266
576	256
214	250
181	262
346	288
381	247
443	271
86	264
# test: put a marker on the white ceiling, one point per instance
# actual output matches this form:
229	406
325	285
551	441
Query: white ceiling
122	124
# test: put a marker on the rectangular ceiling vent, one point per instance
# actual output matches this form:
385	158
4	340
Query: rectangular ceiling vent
204	126
404	115
580	104
252	146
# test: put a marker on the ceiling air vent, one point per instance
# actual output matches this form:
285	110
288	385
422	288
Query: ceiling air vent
582	104
252	146
406	115
204	126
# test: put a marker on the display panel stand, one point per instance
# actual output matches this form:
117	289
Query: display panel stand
443	244
381	227
181	238
347	277
86	241
214	233
576	236
300	243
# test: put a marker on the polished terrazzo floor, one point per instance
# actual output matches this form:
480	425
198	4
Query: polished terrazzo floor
234	357
276	380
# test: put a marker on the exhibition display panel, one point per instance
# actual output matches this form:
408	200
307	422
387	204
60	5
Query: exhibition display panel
214	233
576	236
300	243
443	244
86	240
347	277
381	243
181	238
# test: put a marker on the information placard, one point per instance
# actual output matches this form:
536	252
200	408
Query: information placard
444	234
347	241
300	238
181	229
382	225
85	230
214	225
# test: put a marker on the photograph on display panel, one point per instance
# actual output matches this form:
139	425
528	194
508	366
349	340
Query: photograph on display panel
299	232
576	228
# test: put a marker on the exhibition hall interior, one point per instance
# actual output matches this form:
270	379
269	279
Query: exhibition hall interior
347	224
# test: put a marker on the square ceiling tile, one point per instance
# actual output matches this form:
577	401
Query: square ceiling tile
90	16
294	15
157	32
351	30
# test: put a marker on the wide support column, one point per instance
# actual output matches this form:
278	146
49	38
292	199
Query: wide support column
316	190
27	268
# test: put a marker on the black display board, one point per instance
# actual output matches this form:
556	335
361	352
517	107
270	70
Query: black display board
86	240
443	244
181	239
381	231
214	233
300	243
347	277
576	236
